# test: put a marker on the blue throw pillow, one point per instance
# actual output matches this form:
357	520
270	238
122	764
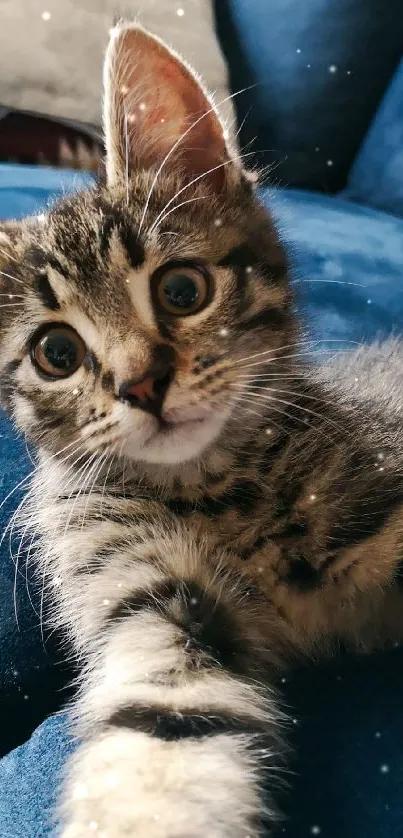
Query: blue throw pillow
377	175
320	68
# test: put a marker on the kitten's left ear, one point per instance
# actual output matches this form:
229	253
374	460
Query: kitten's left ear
155	108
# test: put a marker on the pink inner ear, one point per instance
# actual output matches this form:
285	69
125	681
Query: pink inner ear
160	100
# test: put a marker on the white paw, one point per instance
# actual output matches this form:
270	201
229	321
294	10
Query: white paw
128	784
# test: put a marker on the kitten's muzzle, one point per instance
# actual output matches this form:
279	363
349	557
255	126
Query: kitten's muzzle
148	393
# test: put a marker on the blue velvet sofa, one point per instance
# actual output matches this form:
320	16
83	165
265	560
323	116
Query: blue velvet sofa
327	109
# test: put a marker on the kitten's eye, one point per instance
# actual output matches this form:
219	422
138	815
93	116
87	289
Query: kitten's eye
58	352
183	290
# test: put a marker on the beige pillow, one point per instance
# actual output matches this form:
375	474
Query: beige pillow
51	51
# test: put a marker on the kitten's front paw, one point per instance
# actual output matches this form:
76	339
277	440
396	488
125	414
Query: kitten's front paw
129	784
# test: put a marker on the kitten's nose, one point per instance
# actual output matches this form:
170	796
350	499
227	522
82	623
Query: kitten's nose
148	393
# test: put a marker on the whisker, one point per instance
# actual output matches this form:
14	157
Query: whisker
182	204
9	276
195	180
244	400
307	354
292	393
281	411
332	282
308	410
309	344
177	143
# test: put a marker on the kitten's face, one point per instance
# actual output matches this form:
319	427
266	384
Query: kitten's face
131	311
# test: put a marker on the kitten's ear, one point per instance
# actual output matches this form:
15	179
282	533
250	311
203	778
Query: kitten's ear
154	106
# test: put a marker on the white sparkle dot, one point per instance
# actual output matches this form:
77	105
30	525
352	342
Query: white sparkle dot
127	281
119	584
41	218
380	456
26	697
46	15
329	162
384	769
378	734
356	380
194	600
268	431
284	680
93	825
349	72
369	302
80	792
317	148
15	673
249	269
312	497
295	721
124	89
131	118
223	333
105	601
260	570
333	68
218	222
162	120
315	830
180	12
142	106
299	51
381	468
308	66
76	391
10	296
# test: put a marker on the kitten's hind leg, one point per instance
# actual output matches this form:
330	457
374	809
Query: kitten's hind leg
180	735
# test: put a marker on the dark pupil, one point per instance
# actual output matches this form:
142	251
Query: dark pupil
181	291
60	352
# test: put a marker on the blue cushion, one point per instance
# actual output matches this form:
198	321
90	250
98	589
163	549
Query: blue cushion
302	113
347	265
342	257
377	175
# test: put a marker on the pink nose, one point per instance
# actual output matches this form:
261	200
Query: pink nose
142	391
148	393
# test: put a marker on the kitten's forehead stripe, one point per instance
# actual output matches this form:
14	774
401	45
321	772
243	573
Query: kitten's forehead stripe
46	293
115	220
241	256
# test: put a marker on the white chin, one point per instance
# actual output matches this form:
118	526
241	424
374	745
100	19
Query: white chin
180	443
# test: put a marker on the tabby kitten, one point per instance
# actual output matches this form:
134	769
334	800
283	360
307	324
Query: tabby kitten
208	508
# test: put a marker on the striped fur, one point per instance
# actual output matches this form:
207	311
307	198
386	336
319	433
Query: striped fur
191	558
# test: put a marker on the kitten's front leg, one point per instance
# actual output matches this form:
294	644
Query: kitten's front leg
178	732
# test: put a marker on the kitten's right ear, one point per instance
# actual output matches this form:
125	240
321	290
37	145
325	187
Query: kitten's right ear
156	110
